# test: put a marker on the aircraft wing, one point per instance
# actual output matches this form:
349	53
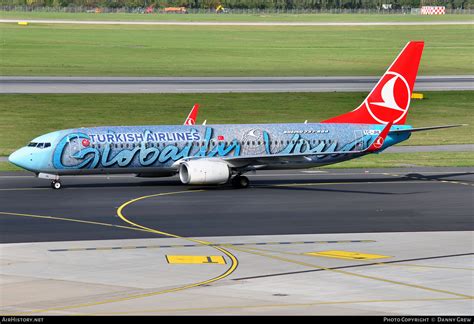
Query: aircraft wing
255	160
262	160
305	157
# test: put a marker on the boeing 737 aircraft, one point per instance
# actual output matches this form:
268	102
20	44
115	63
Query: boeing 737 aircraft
219	154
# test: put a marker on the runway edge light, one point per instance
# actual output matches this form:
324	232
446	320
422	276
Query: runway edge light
23	23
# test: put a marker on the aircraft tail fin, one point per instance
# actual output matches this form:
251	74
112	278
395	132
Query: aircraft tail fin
389	100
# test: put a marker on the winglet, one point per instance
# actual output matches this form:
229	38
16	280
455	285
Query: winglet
378	143
191	119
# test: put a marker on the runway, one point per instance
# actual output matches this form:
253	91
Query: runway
312	242
216	84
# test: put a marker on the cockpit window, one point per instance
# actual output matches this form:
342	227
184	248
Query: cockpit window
39	145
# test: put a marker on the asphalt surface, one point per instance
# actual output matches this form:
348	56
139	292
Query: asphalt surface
278	202
235	23
216	84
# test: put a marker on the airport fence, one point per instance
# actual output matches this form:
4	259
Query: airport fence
142	10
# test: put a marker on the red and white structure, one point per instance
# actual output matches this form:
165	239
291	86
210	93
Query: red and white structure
433	10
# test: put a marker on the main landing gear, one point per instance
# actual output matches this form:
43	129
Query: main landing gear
240	181
56	184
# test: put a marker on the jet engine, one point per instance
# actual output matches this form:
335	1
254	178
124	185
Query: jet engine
204	172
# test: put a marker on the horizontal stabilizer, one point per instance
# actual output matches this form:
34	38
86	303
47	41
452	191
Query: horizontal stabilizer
419	129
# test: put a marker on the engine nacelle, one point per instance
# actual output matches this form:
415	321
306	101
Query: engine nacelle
204	172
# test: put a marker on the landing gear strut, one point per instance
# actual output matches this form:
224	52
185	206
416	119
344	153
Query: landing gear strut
56	184
240	182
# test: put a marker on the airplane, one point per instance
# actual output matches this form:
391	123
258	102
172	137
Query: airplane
222	154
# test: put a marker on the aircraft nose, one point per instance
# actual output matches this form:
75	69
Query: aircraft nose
20	158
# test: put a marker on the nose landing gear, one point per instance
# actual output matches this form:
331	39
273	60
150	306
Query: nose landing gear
56	184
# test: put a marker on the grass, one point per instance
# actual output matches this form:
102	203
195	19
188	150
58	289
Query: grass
233	17
67	50
26	116
7	166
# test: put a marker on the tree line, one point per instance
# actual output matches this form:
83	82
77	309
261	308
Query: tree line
245	4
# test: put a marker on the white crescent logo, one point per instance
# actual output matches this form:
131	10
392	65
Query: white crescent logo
379	142
388	99
252	133
190	121
388	96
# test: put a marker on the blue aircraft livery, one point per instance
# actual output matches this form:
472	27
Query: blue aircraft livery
219	154
155	147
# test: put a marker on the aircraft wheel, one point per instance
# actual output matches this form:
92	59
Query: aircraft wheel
240	182
56	185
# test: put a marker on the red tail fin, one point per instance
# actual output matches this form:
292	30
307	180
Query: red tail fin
191	119
389	100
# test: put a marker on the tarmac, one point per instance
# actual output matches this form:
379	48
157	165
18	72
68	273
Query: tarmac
311	242
30	84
